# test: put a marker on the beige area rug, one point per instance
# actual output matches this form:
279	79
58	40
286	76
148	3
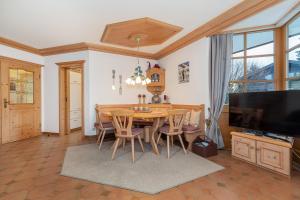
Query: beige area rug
149	174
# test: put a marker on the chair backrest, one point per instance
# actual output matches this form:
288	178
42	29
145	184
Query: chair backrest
123	122
98	118
176	119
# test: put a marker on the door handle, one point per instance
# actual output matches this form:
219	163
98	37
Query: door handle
5	102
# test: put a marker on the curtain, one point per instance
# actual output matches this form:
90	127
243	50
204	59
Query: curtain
219	74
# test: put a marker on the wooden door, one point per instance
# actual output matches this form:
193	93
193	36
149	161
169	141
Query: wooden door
244	148
20	100
273	157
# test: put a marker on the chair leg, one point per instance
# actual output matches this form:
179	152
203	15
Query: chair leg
168	145
99	136
179	136
132	149
141	143
158	138
103	135
115	148
172	141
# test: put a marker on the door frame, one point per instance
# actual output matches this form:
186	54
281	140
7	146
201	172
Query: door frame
4	59
64	103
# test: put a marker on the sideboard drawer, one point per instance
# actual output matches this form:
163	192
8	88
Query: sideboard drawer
273	157
244	148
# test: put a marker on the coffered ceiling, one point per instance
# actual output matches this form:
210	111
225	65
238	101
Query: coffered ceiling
48	23
139	32
43	24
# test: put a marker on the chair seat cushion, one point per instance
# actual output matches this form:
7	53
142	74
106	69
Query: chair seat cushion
137	131
164	129
108	125
190	128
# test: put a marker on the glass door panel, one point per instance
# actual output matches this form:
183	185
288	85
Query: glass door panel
21	86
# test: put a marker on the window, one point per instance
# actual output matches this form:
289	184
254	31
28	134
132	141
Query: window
20	86
293	55
252	67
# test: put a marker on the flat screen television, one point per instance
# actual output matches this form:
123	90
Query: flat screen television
275	112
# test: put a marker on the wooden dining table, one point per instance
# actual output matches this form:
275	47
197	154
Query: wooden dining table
158	118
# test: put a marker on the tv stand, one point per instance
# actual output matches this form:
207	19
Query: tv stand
263	151
270	135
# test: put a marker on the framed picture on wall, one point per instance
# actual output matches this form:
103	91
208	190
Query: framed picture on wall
184	72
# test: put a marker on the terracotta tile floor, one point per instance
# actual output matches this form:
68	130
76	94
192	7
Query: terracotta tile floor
30	170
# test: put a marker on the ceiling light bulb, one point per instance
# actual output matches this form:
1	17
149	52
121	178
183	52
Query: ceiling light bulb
148	80
113	87
138	80
128	81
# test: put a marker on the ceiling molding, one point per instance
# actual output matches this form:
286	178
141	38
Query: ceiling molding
64	49
241	11
249	29
17	45
83	46
120	51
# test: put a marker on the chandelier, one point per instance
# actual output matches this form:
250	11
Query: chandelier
138	78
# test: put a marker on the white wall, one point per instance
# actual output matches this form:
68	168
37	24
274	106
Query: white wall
50	98
100	82
197	90
97	86
20	55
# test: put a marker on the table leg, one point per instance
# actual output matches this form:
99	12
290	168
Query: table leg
158	122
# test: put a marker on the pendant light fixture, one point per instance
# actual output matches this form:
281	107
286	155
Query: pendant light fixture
138	78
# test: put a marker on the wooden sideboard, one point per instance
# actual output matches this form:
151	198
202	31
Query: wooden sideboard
263	151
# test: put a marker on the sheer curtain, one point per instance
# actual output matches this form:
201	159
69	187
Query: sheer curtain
219	73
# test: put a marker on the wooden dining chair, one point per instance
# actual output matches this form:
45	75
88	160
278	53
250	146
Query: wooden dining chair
174	127
123	122
102	127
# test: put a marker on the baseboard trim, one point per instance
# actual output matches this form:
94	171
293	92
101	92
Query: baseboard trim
76	129
50	133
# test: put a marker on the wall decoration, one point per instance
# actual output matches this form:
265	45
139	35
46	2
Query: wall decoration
184	72
120	88
113	87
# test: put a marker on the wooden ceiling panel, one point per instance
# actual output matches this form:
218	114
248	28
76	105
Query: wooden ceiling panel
151	32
